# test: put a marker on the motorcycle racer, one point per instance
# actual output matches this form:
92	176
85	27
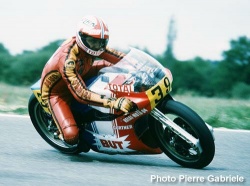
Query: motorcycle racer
63	77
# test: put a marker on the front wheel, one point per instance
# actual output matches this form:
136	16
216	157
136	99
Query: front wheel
45	126
174	146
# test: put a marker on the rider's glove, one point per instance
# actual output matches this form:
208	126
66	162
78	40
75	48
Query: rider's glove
121	103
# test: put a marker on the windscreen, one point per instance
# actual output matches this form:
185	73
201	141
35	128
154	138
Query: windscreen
144	70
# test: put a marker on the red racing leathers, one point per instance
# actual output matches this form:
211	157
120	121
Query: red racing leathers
63	78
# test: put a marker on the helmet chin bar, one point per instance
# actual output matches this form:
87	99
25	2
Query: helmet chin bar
94	53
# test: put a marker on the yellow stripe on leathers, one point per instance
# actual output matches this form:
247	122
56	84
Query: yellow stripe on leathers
37	93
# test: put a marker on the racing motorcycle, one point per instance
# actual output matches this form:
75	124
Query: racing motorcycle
157	124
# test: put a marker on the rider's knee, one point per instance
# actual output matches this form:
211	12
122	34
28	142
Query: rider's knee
71	133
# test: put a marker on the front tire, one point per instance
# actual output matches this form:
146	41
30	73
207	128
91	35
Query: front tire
45	126
175	147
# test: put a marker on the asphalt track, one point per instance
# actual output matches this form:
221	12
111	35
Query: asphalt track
25	159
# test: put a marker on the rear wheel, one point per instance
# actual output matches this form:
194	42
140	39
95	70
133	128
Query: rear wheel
46	127
174	146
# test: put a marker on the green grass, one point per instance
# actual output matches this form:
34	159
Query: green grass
218	112
14	99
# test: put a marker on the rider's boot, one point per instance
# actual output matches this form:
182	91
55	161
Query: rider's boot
82	145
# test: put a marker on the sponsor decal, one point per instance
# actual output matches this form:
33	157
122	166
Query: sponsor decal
89	23
135	115
70	64
95	53
120	88
112	144
126	127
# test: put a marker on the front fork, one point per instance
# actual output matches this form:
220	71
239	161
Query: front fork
163	119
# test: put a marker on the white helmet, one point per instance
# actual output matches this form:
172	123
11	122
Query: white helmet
92	35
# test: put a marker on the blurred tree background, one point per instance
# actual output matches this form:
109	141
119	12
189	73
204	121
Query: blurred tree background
25	68
229	77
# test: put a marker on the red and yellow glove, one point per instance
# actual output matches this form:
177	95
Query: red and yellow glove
121	103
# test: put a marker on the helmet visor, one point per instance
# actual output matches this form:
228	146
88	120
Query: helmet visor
93	43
